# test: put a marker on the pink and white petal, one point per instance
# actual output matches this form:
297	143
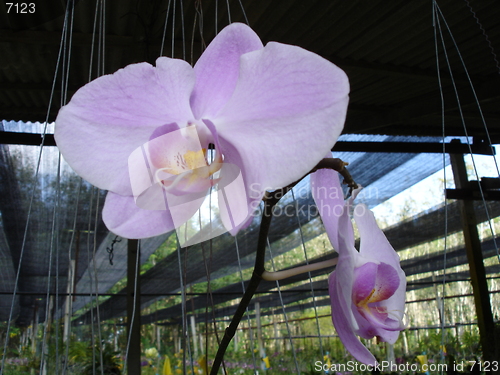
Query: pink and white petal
366	329
388	336
218	68
344	328
364	281
122	217
395	305
328	196
107	119
253	190
373	244
386	283
286	113
344	276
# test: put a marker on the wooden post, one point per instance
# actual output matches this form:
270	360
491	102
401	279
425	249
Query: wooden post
133	308
476	265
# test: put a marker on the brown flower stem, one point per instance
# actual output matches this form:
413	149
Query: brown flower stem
270	200
339	166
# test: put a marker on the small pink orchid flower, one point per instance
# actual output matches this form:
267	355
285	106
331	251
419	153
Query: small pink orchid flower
271	113
367	288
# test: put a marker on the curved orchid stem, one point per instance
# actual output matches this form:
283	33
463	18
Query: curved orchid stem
280	275
270	200
340	166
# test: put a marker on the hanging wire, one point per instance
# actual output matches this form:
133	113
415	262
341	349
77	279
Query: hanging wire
91	280
492	50
33	189
435	23
165	28
250	332
49	299
489	219
96	279
57	207
184	319
284	312
216	17
244	13
182	31
132	318
308	273
172	54
71	274
228	12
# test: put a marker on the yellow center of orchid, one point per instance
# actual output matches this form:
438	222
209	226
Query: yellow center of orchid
192	170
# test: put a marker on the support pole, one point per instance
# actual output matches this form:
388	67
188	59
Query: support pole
133	308
259	336
69	300
476	265
195	336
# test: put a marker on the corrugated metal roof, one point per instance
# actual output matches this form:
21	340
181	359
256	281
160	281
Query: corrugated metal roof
387	49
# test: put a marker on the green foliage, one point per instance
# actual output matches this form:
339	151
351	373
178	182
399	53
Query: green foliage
94	359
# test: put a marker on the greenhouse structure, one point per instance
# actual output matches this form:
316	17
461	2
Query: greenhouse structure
249	187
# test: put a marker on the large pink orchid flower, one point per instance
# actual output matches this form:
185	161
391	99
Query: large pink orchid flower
271	112
367	288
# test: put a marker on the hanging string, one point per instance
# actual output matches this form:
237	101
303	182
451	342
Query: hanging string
471	85
49	300
182	31
489	219
228	12
284	312
69	298
436	24
492	50
172	54
33	189
244	13
96	278
309	274
216	17
250	332
165	28
132	318
57	207
91	279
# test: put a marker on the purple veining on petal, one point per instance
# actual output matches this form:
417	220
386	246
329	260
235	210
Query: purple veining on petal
258	103
367	288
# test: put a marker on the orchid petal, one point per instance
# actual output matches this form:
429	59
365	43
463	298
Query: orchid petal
122	217
328	196
375	246
373	242
374	282
344	328
345	266
386	283
364	281
218	68
110	117
286	93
